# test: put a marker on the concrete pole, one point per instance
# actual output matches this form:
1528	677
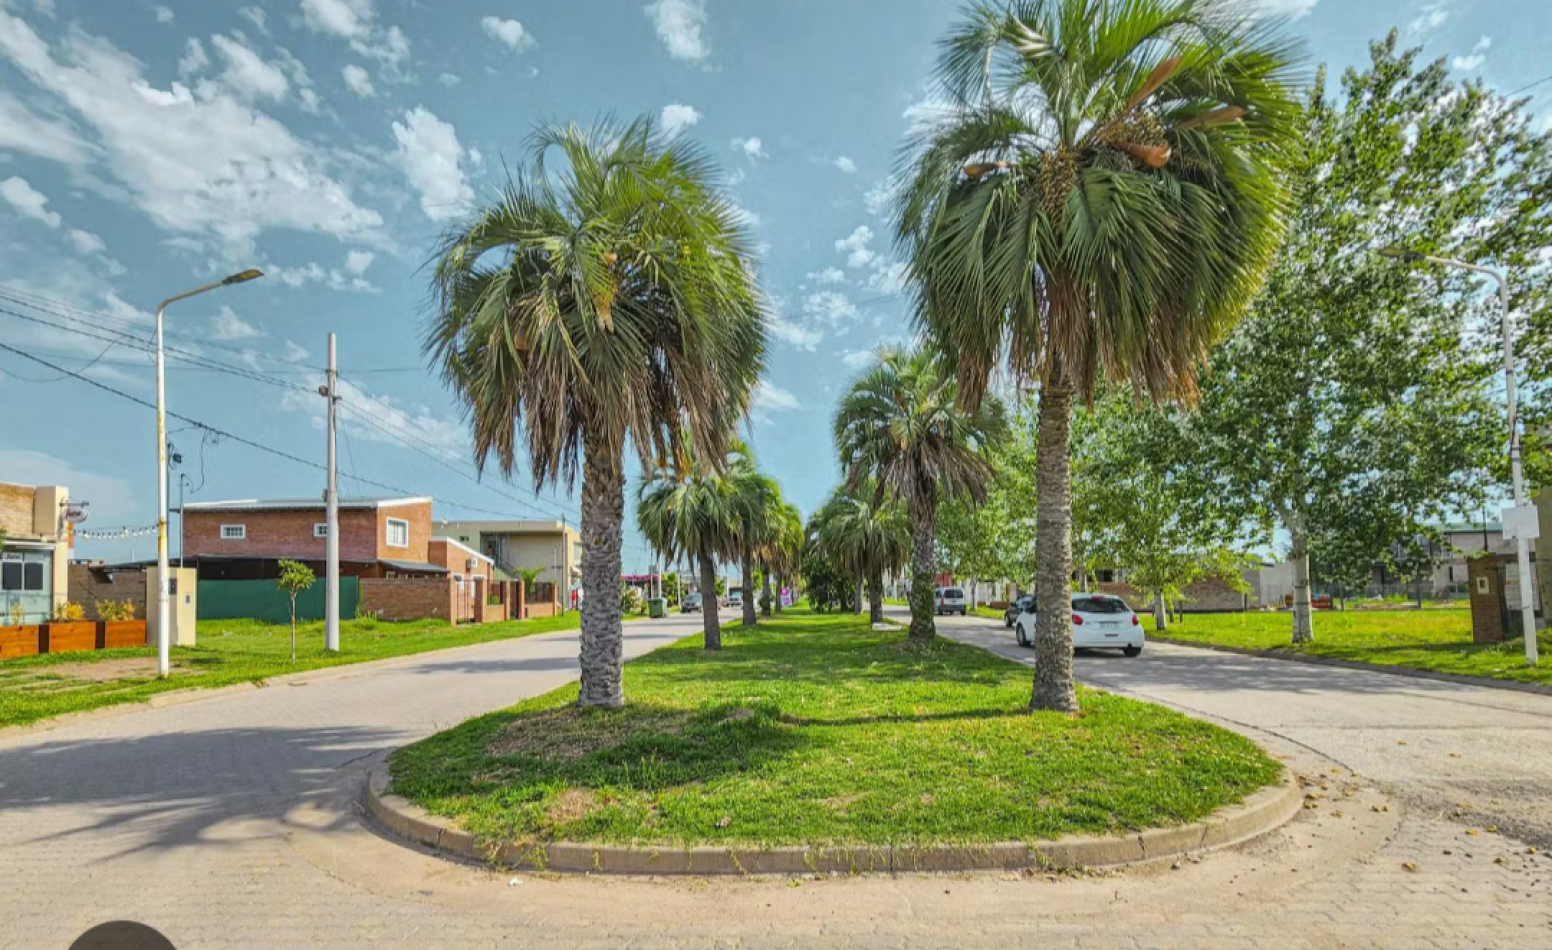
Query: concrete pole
331	615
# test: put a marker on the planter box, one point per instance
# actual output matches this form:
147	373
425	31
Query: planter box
120	633
69	636
20	641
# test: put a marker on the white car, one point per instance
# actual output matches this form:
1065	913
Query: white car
948	600
1099	622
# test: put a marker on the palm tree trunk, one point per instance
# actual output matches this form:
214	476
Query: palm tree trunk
711	624
603	516
776	604
765	602
924	531
1053	689
876	597
749	618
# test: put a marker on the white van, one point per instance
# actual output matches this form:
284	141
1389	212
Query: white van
948	600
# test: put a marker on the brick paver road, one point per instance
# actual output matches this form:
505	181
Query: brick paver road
232	822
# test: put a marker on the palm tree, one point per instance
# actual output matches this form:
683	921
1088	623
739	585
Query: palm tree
758	501
901	424
604	302
866	533
1099	196
782	553
690	507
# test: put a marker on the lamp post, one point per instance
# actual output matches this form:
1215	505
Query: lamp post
163	598
1523	526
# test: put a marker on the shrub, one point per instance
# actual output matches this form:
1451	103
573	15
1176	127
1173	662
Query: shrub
67	612
112	610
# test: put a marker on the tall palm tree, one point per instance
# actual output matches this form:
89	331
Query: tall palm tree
690	507
759	500
782	554
1099	196
901	424
607	301
867	533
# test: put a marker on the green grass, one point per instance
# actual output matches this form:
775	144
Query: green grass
815	729
1437	639
234	651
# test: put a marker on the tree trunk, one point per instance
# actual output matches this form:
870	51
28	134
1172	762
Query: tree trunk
857	596
293	629
1053	689
776	603
711	624
766	604
924	532
1303	624
1160	614
603	516
876	597
748	584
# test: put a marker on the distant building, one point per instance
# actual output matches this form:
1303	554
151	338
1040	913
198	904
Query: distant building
245	540
515	546
34	558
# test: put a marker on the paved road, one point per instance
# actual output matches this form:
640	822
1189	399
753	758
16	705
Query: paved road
232	822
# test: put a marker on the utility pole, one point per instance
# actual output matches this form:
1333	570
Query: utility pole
331	610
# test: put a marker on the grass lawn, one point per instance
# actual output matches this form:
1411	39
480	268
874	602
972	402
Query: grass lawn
229	651
815	730
1436	639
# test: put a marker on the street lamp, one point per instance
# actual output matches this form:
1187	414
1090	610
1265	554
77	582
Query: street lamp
1524	525
163	598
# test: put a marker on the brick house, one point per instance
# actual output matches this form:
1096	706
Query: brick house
245	540
34	558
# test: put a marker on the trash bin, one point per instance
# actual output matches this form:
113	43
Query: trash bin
657	607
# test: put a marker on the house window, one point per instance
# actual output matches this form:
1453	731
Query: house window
234	532
321	530
398	533
24	573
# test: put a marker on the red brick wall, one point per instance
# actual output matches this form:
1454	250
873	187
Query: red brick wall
407	598
88	586
419	517
282	534
454	558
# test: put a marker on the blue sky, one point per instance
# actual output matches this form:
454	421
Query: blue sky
147	146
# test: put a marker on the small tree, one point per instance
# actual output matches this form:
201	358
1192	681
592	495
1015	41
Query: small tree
295	577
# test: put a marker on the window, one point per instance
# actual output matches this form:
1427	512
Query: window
1099	605
321	530
24	572
234	532
398	533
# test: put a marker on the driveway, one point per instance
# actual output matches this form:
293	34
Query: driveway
234	822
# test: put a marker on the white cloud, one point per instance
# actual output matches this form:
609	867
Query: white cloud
798	337
878	197
214	167
350	19
28	201
857	359
357	262
887	278
846	165
679	25
447	436
85	241
677	117
1432	16
194	58
23	130
45	7
752	147
856	247
830	275
432	159
449	79
830	306
1478	56
247	74
228	327
294	352
1292	9
357	80
315	273
300	79
768	397
509	33
744	217
164	14
112	499
257	17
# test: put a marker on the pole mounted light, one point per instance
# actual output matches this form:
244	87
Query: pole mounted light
1521	520
163	585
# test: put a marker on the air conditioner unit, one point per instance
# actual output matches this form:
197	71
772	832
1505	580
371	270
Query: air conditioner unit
470	564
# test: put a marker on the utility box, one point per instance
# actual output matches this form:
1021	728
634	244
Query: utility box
183	615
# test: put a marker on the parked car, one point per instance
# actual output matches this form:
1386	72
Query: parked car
735	598
1022	603
1099	622
949	600
691	605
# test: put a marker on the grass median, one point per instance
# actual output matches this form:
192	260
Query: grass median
229	652
818	730
1435	638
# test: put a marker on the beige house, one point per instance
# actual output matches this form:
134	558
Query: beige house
522	545
35	557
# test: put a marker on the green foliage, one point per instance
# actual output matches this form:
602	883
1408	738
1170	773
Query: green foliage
66	612
826	586
529	575
819	731
631	601
294	578
864	534
115	610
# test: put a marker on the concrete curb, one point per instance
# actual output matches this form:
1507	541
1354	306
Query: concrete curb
1262	812
1462	679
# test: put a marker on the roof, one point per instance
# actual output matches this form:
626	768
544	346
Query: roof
464	547
300	504
414	566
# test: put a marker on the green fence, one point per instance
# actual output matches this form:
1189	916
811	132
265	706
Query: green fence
262	600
